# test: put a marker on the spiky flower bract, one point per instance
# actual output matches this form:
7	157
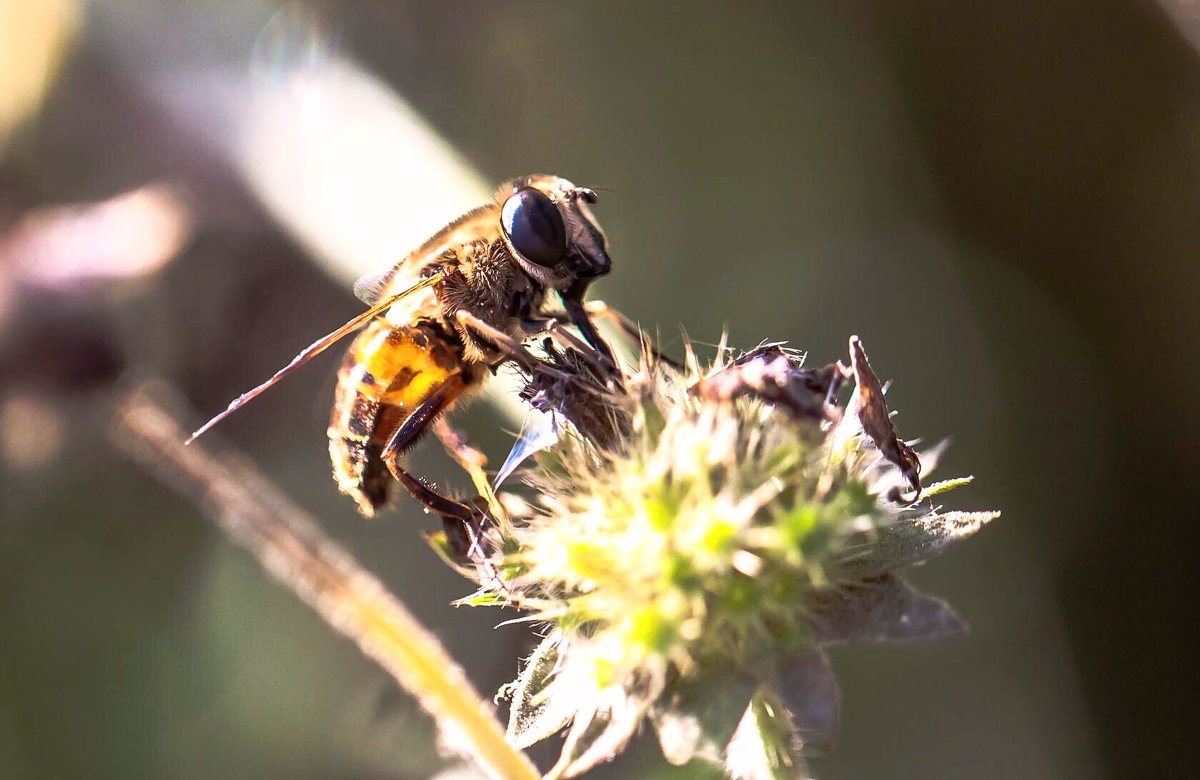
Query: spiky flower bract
693	544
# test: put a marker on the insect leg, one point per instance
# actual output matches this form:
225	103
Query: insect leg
462	523
473	462
572	300
515	350
600	309
407	434
555	324
630	329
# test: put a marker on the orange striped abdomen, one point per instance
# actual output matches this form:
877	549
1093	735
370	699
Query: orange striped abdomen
387	372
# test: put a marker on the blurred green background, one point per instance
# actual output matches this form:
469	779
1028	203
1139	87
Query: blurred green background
1002	199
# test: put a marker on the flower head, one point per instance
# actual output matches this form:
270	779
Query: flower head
693	543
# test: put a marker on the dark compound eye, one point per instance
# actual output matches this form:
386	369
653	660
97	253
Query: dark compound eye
533	225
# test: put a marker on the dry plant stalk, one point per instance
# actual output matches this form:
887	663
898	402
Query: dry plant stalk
289	544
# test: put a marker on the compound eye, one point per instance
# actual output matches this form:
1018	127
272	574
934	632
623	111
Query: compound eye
533	225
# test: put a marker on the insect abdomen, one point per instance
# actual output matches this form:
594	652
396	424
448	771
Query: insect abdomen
386	373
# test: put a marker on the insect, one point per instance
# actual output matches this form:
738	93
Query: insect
443	318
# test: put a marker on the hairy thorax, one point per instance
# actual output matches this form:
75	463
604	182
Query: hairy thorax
487	283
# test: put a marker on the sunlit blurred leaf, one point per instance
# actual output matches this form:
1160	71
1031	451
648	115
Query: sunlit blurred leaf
69	248
33	38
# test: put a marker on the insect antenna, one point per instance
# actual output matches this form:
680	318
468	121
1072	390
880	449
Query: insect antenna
314	349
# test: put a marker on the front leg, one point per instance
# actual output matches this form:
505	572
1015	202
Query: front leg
507	345
631	330
555	324
572	300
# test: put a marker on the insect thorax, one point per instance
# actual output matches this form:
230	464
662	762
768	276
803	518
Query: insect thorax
488	284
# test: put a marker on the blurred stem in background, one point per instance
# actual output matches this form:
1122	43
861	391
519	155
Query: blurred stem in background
290	545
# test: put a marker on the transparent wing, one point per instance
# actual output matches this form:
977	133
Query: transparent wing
539	432
475	224
369	288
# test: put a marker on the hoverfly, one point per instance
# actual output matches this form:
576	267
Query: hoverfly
444	318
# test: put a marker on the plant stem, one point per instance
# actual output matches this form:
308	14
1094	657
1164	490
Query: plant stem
289	544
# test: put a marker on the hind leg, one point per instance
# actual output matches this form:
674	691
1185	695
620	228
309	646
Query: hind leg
406	436
463	523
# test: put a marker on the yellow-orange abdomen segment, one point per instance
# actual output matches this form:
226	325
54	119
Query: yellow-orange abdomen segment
386	373
400	366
